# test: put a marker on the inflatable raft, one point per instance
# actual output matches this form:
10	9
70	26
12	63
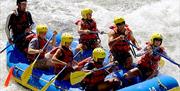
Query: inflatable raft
40	78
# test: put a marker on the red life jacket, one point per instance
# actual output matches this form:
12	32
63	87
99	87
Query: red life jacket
121	45
19	22
97	76
150	61
87	25
67	56
41	43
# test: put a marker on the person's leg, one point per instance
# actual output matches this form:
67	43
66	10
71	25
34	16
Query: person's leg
41	64
110	84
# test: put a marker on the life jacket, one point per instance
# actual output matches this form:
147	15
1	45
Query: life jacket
40	42
19	21
122	46
67	56
95	77
90	25
149	60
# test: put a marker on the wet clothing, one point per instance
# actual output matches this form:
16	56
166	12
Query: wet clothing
90	40
18	22
67	56
120	48
149	61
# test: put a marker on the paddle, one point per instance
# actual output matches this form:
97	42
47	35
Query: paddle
52	80
5	48
133	51
27	73
95	32
161	63
9	77
78	76
166	57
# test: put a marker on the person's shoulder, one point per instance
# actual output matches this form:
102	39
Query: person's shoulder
28	12
34	39
78	21
13	14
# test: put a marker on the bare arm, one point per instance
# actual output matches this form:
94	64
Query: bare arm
55	58
112	40
134	41
32	49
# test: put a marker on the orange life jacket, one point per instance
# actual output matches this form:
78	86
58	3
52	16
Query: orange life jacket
150	60
97	76
121	45
88	25
41	43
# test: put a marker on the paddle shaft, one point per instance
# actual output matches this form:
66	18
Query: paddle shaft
5	48
166	57
77	54
95	32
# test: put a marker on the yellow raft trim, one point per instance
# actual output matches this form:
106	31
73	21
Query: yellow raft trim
32	87
26	85
175	89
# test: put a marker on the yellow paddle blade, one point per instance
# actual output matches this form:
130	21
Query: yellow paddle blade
161	63
78	76
175	89
26	74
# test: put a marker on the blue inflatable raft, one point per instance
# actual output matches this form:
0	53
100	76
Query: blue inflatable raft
40	78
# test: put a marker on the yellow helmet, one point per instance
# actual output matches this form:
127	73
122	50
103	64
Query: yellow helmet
86	11
118	20
98	53
66	38
156	36
41	29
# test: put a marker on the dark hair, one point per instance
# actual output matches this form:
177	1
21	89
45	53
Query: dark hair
19	1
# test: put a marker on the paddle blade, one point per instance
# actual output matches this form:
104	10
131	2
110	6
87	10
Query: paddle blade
9	77
175	89
77	77
26	74
161	63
